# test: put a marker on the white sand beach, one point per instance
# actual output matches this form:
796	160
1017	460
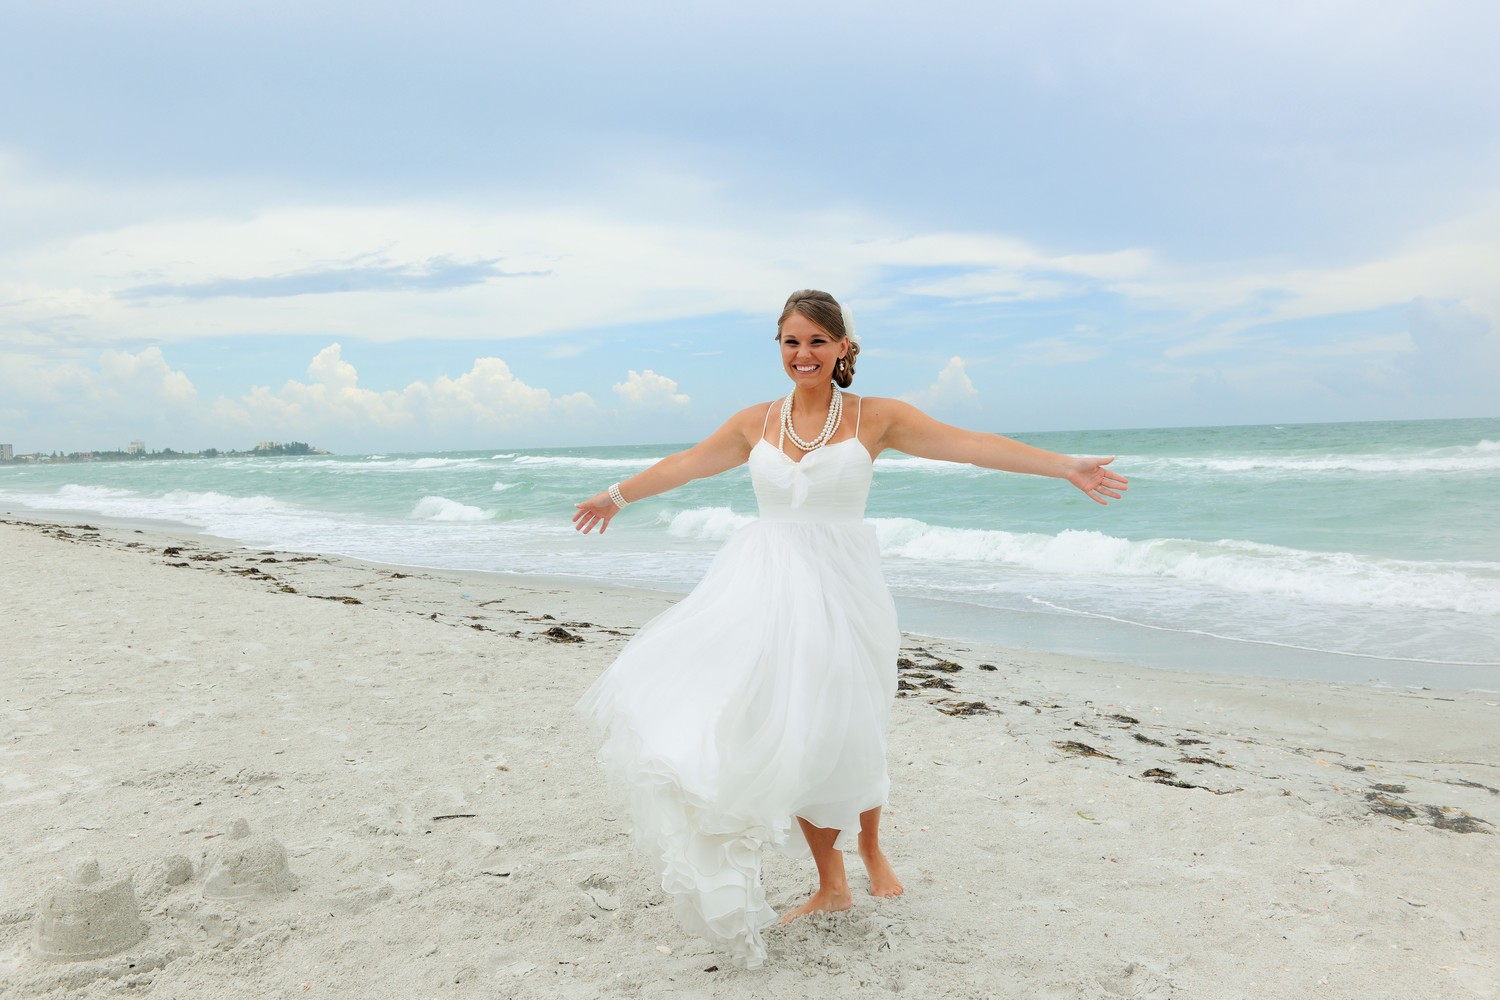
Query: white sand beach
178	709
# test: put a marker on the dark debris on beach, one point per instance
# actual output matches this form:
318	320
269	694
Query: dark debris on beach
923	673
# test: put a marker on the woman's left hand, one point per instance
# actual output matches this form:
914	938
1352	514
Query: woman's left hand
594	512
1096	481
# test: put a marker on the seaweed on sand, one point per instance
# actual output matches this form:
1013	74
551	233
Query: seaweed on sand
963	709
1462	823
1385	805
1162	776
1082	749
1207	760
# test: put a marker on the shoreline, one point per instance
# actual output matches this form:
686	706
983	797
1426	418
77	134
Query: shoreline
407	738
1039	634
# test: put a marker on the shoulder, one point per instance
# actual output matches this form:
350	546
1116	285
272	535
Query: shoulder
749	421
883	408
755	412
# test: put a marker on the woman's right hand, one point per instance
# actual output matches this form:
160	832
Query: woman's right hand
594	512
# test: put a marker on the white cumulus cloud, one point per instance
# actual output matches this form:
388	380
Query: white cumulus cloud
145	376
952	385
487	396
649	390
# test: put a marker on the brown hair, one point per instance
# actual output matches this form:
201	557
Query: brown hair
823	309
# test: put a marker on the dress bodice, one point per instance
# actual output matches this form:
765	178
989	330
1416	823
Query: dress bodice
829	484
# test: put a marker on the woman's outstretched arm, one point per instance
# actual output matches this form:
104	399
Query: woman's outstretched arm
906	428
722	450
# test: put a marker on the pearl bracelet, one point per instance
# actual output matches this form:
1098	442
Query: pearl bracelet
618	497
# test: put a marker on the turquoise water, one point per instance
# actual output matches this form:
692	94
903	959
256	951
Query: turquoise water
1363	551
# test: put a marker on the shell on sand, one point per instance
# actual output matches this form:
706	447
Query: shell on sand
87	918
250	866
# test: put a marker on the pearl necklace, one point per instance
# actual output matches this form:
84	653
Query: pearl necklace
835	413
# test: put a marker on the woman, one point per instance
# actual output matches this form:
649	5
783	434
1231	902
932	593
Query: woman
764	694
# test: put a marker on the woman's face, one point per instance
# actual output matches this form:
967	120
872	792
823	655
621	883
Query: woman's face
808	352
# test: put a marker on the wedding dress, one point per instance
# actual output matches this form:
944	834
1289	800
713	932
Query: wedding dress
760	697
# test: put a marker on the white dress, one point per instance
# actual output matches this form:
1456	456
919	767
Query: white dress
760	697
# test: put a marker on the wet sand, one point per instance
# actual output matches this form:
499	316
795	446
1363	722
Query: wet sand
325	777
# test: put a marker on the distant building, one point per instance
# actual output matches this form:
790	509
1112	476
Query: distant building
136	448
267	445
6	453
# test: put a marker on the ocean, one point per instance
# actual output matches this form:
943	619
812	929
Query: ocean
1353	552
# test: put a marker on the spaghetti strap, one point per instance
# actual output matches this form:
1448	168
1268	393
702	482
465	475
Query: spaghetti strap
767	421
859	411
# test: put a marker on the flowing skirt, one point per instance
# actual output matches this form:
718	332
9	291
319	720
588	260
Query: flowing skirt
762	696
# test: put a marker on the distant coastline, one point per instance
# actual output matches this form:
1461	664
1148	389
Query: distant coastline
262	449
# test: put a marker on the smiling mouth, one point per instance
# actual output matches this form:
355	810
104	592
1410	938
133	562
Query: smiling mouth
805	368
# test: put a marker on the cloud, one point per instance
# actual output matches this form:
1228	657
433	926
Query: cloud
145	377
383	272
64	402
986	267
649	390
1454	353
952	385
488	396
121	382
437	274
1052	351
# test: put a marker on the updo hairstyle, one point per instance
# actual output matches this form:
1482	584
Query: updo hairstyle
823	309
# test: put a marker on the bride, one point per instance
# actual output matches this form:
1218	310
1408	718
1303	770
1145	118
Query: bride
763	696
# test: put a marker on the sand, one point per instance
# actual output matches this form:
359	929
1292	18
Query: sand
313	776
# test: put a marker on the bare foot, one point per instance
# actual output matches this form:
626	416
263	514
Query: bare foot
822	901
883	880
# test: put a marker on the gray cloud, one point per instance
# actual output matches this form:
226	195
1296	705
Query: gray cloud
436	274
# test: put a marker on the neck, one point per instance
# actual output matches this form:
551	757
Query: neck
815	398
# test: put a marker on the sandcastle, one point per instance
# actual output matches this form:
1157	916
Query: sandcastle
249	867
87	918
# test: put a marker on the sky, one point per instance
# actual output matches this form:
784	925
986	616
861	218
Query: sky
391	226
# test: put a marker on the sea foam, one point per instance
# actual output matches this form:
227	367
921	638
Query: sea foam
1338	578
443	509
712	524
